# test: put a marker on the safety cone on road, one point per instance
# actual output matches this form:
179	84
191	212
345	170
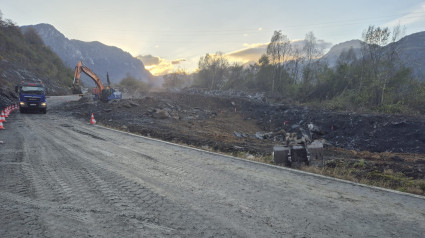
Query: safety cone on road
92	120
2	116
7	111
1	126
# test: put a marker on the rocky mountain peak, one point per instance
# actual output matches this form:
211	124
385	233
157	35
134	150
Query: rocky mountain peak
100	58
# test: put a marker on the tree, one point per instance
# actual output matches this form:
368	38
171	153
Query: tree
311	51
265	74
213	70
33	38
380	62
237	77
311	54
294	65
278	50
133	85
175	80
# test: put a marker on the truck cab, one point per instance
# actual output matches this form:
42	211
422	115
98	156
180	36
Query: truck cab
32	97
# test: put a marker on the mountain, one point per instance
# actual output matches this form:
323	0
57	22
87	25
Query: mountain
411	50
333	54
100	58
24	57
412	53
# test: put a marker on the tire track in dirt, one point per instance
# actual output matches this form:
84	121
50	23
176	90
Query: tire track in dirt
53	182
139	200
204	187
16	221
92	191
124	185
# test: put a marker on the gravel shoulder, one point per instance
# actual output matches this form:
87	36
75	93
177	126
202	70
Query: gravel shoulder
62	177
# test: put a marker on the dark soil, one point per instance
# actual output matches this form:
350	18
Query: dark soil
239	124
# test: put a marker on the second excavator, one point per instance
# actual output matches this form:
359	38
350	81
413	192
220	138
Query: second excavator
100	92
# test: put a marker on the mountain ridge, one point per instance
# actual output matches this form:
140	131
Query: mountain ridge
100	58
411	50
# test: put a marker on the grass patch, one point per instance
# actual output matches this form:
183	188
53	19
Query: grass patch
362	172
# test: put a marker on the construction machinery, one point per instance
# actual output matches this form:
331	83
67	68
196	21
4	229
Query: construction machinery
100	92
32	96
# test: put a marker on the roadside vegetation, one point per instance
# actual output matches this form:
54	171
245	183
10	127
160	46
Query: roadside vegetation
132	85
28	50
371	173
376	169
372	79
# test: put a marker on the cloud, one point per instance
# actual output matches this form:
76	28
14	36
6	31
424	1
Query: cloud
159	66
249	54
416	15
177	61
253	52
149	60
323	44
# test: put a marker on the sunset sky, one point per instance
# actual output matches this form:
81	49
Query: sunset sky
173	34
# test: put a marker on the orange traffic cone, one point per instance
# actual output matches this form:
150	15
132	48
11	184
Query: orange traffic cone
8	111
1	126
2	118
92	120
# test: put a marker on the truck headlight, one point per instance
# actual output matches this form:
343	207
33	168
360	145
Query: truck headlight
22	104
43	104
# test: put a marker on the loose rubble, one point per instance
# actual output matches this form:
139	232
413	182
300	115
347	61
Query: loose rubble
222	121
240	125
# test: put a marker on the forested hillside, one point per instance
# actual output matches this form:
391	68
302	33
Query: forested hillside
25	57
371	77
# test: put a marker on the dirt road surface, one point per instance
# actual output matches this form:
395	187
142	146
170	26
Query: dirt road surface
63	177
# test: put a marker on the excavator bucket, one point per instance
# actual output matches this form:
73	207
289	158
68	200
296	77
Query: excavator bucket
76	90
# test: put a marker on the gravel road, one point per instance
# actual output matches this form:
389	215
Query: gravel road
61	177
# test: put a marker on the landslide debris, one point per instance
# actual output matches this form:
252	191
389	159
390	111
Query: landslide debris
388	145
243	122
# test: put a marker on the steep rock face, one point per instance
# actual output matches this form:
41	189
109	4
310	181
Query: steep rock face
100	58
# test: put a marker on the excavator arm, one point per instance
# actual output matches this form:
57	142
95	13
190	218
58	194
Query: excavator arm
77	74
103	93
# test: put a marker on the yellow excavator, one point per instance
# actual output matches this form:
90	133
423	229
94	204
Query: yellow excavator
100	92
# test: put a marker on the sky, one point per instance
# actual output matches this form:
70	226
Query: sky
170	35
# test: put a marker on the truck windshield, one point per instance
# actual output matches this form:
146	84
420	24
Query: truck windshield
32	90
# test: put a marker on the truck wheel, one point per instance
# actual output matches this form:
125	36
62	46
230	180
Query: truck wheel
44	110
21	110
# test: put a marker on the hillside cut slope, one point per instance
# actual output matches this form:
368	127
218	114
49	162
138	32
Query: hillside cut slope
24	57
